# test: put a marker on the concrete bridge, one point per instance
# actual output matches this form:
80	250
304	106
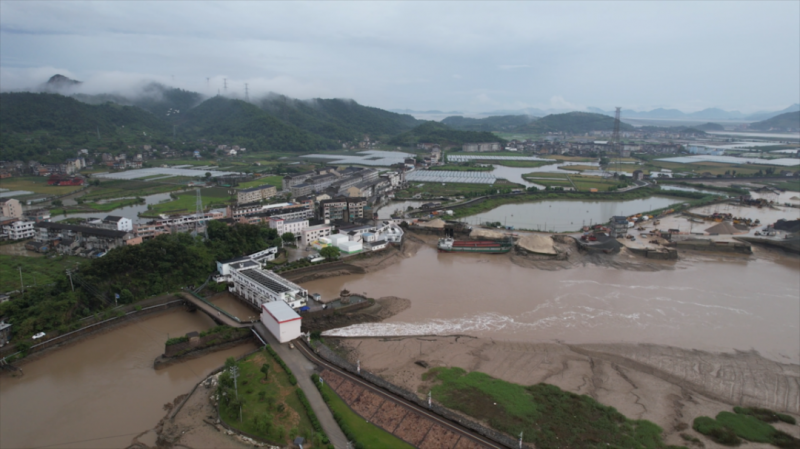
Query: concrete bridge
217	314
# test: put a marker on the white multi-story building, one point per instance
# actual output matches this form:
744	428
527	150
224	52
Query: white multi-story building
314	233
295	226
20	230
258	286
255	194
226	267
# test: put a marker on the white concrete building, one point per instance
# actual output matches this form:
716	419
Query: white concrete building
225	267
390	231
282	322
118	223
349	247
20	230
336	239
295	226
259	286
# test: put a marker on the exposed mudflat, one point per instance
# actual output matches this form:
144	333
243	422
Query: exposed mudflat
666	385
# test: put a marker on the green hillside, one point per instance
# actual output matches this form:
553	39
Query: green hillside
435	132
34	126
337	119
489	124
787	121
154	98
574	122
241	123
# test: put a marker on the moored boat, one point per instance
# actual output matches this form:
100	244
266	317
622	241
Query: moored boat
475	246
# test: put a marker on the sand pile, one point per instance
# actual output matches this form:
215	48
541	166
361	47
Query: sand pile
480	233
539	244
725	227
436	223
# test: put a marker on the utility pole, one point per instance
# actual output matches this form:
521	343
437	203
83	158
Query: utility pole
520	440
235	374
69	273
429	398
21	285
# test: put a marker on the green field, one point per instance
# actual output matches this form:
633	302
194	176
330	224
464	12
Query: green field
118	188
354	426
548	416
580	183
186	202
275	180
435	189
36	184
35	270
280	416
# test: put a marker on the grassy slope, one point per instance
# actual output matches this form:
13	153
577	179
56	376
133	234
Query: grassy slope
277	387
369	435
41	268
547	415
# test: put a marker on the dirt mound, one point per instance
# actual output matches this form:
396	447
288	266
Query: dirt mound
539	244
480	233
725	227
435	223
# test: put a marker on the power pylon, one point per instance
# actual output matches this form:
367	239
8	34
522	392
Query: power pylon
615	141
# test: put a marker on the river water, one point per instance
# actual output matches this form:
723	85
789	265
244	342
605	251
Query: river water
101	392
710	302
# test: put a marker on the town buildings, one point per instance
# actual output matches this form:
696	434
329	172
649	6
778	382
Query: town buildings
82	240
481	147
312	234
255	194
295	226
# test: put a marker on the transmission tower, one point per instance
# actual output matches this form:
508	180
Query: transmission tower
246	93
225	85
200	222
615	142
208	82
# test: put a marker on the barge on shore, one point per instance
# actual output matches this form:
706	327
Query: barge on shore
475	246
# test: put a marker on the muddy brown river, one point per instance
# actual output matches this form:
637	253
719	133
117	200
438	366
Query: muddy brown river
102	392
712	303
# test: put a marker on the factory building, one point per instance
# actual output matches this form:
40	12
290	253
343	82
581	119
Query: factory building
258	287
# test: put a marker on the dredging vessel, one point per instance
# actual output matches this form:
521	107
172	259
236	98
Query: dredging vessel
475	246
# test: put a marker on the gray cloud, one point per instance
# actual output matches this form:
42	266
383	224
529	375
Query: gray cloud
420	55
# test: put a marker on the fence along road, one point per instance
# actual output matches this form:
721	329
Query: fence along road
460	430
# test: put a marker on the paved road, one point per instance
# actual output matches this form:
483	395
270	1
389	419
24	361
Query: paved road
302	369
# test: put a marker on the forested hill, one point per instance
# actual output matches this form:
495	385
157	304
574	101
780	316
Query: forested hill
337	119
241	123
165	102
574	122
33	126
435	132
789	120
494	123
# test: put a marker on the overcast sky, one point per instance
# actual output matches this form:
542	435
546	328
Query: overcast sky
467	56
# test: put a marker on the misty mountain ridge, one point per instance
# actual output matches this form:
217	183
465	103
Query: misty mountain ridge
59	83
705	114
786	121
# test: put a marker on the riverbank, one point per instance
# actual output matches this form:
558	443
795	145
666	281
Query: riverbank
669	386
